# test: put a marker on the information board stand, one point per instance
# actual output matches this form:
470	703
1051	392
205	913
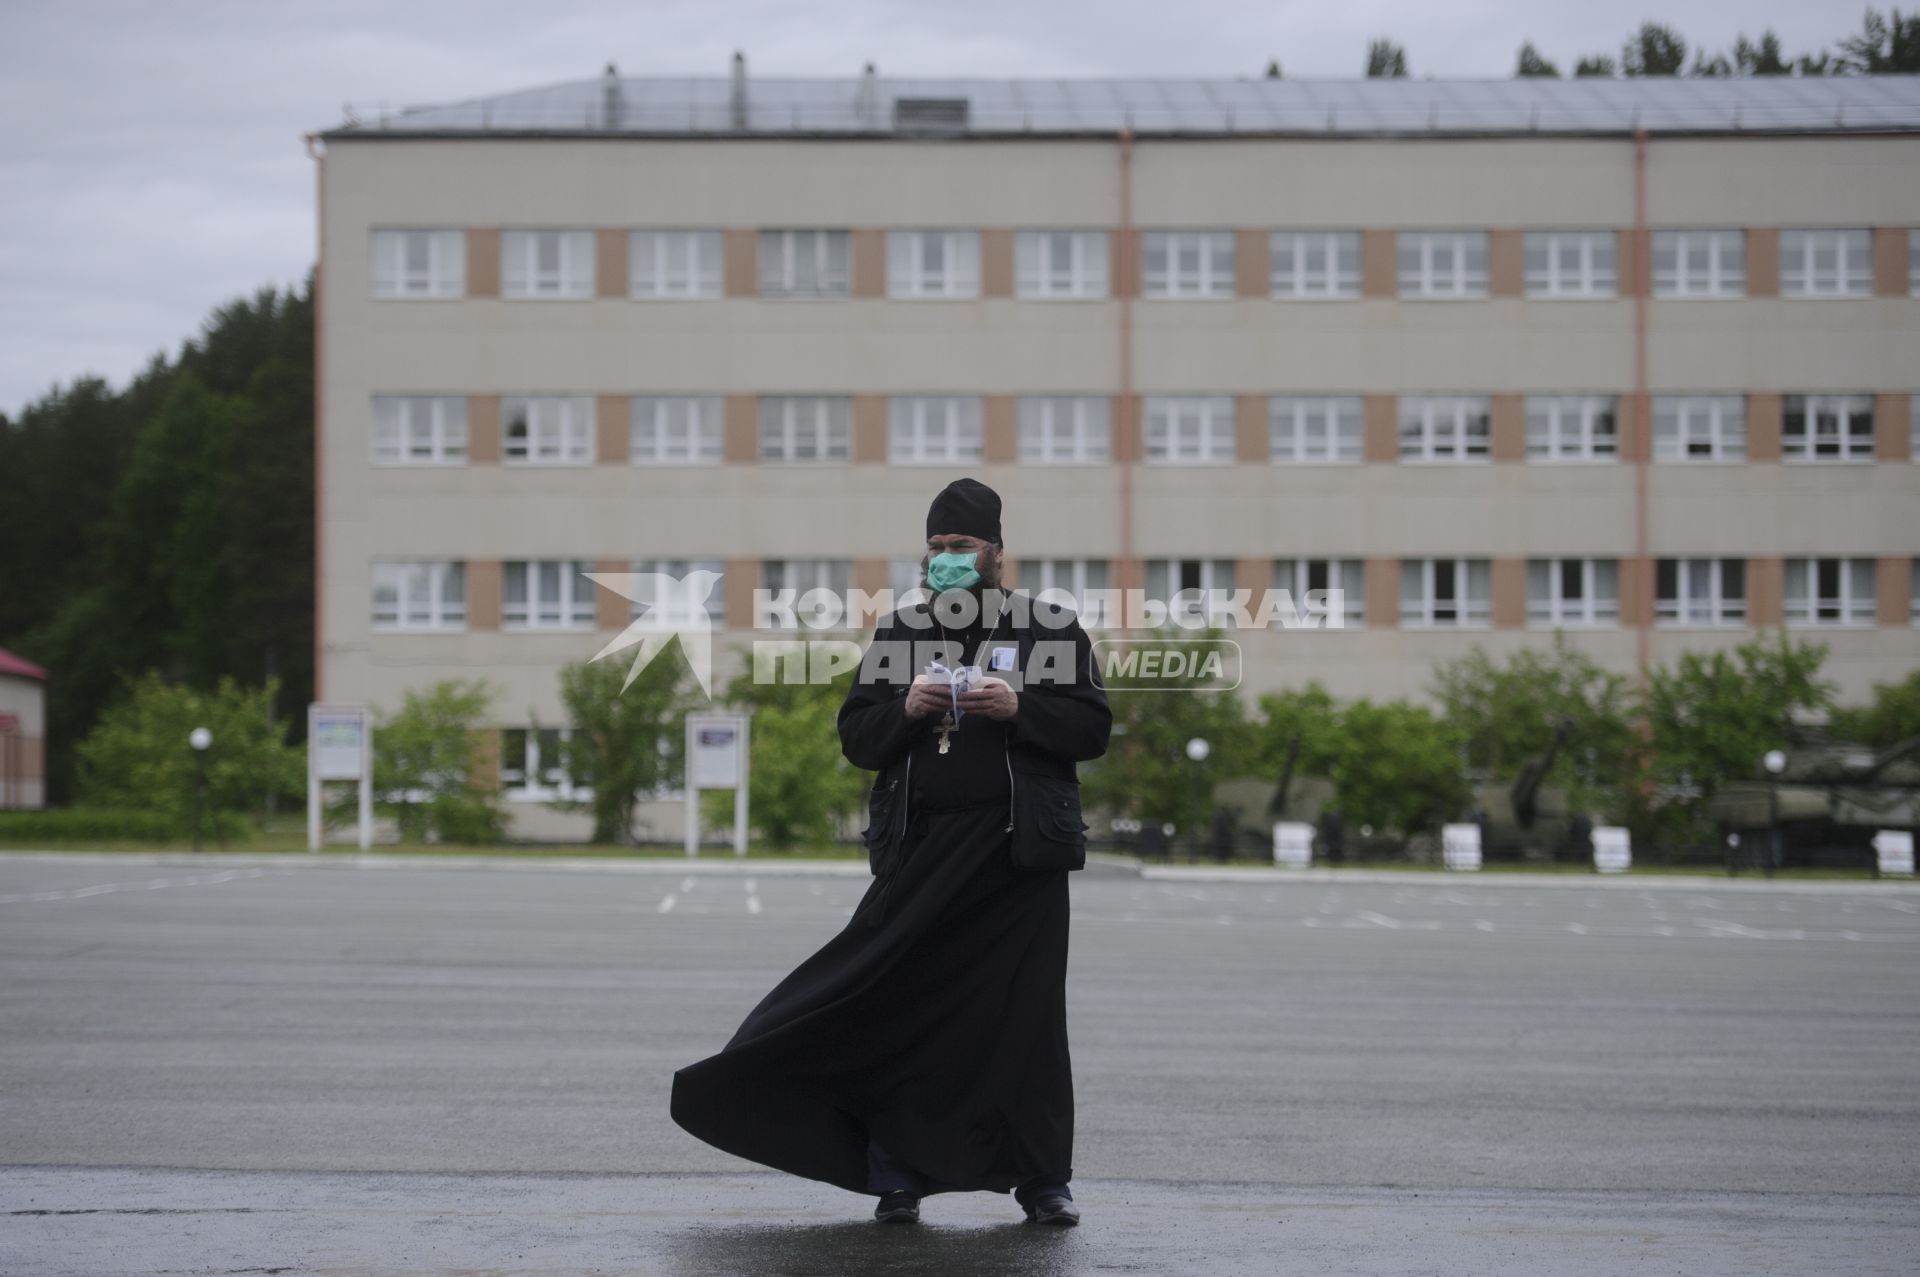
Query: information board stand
717	759
339	747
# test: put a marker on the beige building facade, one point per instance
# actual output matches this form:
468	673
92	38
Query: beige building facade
1654	388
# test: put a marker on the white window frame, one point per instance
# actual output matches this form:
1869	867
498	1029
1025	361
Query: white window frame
1566	428
1421	606
675	265
716	604
933	430
1038	277
1854	602
1804	448
418	430
1593	272
559	430
1913	428
1437	428
443	275
1345	575
802	576
911	276
1208	277
1913	590
1913	261
522	278
531	778
806	264
1190	430
429	596
1597	605
1699	265
1313	430
1216	583
1719	421
676	430
1063	430
824	422
560	599
1704	603
1314	265
1461	276
1082	580
1852	251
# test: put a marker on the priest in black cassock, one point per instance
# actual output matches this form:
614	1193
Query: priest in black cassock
924	1049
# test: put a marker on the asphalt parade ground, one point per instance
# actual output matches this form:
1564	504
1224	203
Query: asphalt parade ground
345	1065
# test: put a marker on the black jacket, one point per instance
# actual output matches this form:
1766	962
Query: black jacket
1063	720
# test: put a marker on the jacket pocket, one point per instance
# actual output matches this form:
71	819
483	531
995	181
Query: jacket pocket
1048	830
882	806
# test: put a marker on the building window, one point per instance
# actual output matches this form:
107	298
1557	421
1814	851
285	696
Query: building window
1060	265
1830	592
1310	265
411	595
674	265
1573	591
806	428
1445	428
1190	429
1700	591
1572	428
419	430
933	264
1299	577
933	429
1064	429
1193	587
677	609
546	594
546	264
804	577
1571	263
1445	592
1699	263
1311	430
1186	264
1826	263
537	764
1070	583
675	430
1827	428
414	263
549	430
1913	591
1699	428
1443	263
805	264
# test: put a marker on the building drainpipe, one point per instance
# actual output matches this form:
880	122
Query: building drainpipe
1643	403
1137	427
317	154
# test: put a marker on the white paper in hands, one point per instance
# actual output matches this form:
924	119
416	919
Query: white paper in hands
963	679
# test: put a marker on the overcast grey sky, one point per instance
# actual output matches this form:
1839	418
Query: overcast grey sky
151	163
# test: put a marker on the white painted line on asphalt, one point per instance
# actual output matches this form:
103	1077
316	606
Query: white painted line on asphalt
1377	919
1483	924
667	902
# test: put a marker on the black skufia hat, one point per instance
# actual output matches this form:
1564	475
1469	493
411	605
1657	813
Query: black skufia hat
965	507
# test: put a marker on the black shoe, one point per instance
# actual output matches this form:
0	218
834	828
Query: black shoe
898	1207
1052	1208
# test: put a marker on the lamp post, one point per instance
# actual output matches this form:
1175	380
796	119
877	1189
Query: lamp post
200	738
1775	762
1197	751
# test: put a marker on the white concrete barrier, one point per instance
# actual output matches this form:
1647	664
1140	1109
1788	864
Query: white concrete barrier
1292	843
1895	850
1612	849
1460	846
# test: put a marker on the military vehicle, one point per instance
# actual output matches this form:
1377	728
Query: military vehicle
1821	805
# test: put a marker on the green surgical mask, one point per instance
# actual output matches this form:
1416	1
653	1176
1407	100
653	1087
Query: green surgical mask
952	572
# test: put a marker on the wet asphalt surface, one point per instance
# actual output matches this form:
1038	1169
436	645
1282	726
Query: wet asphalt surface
247	1065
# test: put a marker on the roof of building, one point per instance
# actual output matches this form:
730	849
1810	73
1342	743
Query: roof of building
20	666
873	105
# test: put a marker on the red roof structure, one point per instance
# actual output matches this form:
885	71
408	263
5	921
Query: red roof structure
20	666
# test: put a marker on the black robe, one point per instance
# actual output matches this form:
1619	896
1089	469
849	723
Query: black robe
934	1025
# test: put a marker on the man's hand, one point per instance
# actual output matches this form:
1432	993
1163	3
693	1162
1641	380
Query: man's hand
928	697
994	698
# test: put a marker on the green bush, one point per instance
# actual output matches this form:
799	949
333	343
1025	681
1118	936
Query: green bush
108	824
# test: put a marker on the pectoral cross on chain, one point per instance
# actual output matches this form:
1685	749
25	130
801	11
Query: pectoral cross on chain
946	730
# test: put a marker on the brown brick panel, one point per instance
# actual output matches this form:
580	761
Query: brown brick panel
1252	263
1382	584
1766	590
1506	263
742	579
1255	576
1381	441
483	594
1636	262
1379	264
1128	439
742	442
1635	419
483	261
870	428
1252	439
1508	428
612	417
1123	265
611	610
740	262
1763	427
870	575
999	429
1509	584
1890	261
996	262
868	249
1763	261
1636	591
483	429
610	262
483	764
1009	572
1892	427
1893	590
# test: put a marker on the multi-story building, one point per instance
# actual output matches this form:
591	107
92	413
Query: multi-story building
1635	361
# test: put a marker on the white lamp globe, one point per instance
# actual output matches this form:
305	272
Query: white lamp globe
200	738
1198	749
